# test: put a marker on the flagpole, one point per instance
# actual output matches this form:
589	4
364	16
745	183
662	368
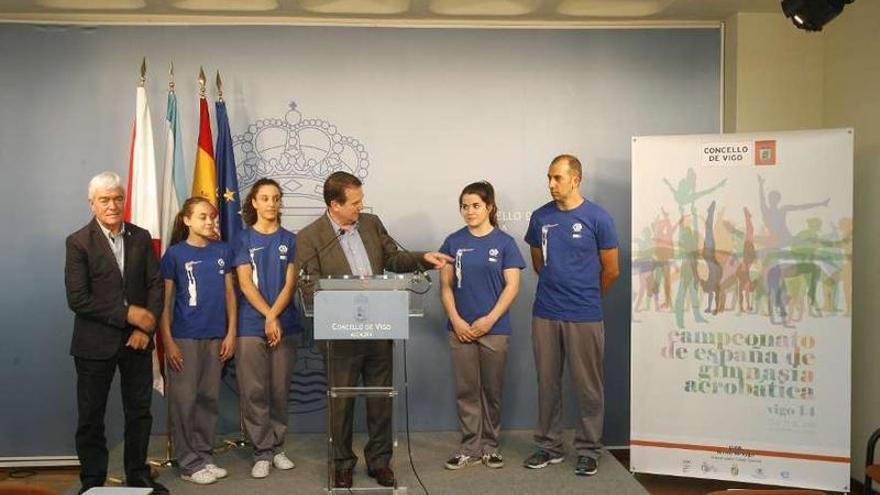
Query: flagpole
203	91
241	441
169	460
219	87
115	478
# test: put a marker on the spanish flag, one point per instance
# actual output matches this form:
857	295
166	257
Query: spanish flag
205	173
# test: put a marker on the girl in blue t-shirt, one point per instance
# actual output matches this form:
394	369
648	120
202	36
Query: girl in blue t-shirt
199	337
268	325
476	292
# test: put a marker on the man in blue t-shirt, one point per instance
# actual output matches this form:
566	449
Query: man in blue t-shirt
575	253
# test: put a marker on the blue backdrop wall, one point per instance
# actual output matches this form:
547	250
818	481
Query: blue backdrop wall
417	112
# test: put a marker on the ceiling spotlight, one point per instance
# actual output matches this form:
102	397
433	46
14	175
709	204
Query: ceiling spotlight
812	15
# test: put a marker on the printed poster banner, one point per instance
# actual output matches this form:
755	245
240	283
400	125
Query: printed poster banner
741	310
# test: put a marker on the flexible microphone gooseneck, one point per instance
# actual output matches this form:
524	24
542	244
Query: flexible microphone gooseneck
421	271
303	275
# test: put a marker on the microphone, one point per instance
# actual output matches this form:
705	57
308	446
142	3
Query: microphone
418	272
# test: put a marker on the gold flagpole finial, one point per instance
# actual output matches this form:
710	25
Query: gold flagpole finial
171	78
219	87
202	81
143	72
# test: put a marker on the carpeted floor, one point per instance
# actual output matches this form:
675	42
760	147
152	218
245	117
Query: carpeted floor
429	452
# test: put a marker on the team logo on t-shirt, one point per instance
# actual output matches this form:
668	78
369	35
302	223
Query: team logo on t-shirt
576	230
458	255
545	231
221	264
191	286
255	278
283	250
493	255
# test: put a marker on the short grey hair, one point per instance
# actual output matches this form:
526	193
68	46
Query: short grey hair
104	180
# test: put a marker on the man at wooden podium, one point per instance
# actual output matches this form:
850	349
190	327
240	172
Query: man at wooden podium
346	241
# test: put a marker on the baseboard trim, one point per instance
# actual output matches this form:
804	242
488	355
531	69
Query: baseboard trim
39	461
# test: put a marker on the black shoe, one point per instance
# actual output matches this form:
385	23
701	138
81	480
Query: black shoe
147	482
384	475
343	478
541	459
586	466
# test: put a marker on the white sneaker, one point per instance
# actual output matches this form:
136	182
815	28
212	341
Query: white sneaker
493	460
260	469
281	461
459	461
217	471
201	477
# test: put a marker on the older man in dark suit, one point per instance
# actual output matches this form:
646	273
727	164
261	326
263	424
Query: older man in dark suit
345	241
113	286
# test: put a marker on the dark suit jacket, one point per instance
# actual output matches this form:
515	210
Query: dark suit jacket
97	292
315	248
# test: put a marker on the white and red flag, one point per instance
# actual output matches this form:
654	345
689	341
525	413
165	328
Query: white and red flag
142	200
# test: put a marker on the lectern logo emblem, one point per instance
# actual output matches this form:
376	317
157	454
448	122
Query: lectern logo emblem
361	308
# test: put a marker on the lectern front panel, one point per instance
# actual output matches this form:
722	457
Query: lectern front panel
361	315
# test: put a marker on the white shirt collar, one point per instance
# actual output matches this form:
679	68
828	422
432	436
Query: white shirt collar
337	227
111	235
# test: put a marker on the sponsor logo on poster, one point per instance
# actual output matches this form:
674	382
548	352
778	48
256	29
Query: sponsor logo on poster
765	152
726	154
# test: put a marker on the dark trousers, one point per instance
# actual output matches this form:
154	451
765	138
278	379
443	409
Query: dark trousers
93	379
372	363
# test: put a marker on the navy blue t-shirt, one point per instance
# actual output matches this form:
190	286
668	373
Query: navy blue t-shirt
199	276
268	256
569	285
479	273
